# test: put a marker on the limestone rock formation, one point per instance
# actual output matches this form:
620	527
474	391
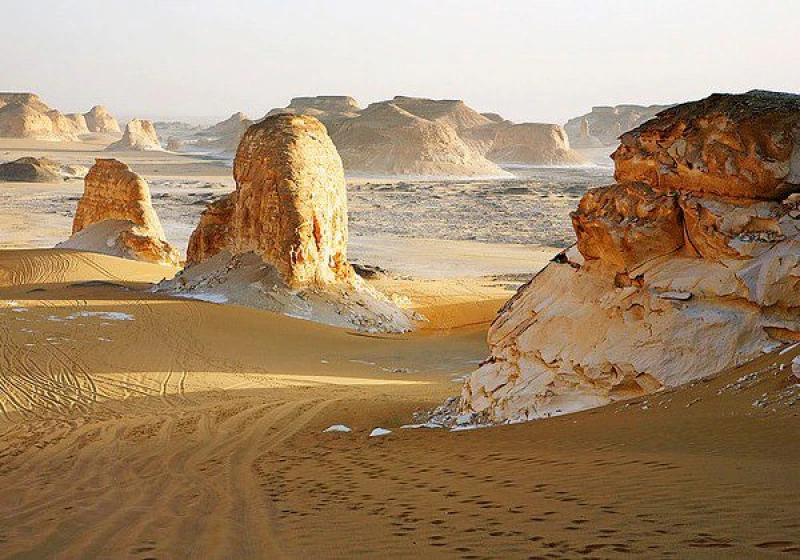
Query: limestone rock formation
670	280
225	135
280	240
330	110
78	122
386	139
19	120
30	170
139	136
98	119
115	216
605	124
726	145
533	144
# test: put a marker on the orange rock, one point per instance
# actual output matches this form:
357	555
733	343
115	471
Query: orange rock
627	225
745	146
213	233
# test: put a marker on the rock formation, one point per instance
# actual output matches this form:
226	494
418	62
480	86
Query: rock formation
533	144
115	216
605	124
226	135
78	122
98	119
139	136
19	120
688	266
330	110
280	240
386	139
30	170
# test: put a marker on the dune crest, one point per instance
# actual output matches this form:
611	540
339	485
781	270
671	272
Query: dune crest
280	240
115	216
687	267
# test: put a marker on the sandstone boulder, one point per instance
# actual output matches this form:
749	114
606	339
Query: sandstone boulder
533	144
115	216
745	146
139	136
670	280
280	240
98	119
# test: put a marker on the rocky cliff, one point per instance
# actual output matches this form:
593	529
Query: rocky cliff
602	126
689	265
115	216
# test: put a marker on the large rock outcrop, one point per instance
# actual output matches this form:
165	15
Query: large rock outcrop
115	216
386	139
280	240
139	136
18	120
225	135
330	110
671	279
726	145
98	119
533	144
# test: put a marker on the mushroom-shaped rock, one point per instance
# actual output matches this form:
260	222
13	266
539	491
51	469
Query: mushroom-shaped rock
115	216
688	266
139	136
280	240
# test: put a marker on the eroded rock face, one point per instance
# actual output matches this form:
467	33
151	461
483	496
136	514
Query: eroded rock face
139	136
115	216
745	146
24	121
214	232
603	125
533	144
98	119
669	280
279	241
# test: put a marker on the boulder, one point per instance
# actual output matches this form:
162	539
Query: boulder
744	145
677	273
98	119
533	144
115	216
280	240
139	136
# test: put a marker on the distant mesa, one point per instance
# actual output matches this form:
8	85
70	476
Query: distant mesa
139	136
115	216
534	144
689	265
330	110
279	241
98	119
31	170
603	125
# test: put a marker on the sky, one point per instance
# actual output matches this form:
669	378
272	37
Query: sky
529	60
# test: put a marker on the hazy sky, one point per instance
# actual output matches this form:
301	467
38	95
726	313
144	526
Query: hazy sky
528	60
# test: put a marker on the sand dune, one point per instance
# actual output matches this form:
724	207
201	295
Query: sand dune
143	426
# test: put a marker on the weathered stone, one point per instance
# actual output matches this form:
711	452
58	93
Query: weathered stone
98	119
744	146
533	144
115	215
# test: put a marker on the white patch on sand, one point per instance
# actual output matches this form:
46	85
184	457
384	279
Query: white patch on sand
377	432
209	297
337	428
110	315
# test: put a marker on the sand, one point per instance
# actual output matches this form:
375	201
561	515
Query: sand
138	425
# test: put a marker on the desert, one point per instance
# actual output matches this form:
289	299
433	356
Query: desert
302	285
